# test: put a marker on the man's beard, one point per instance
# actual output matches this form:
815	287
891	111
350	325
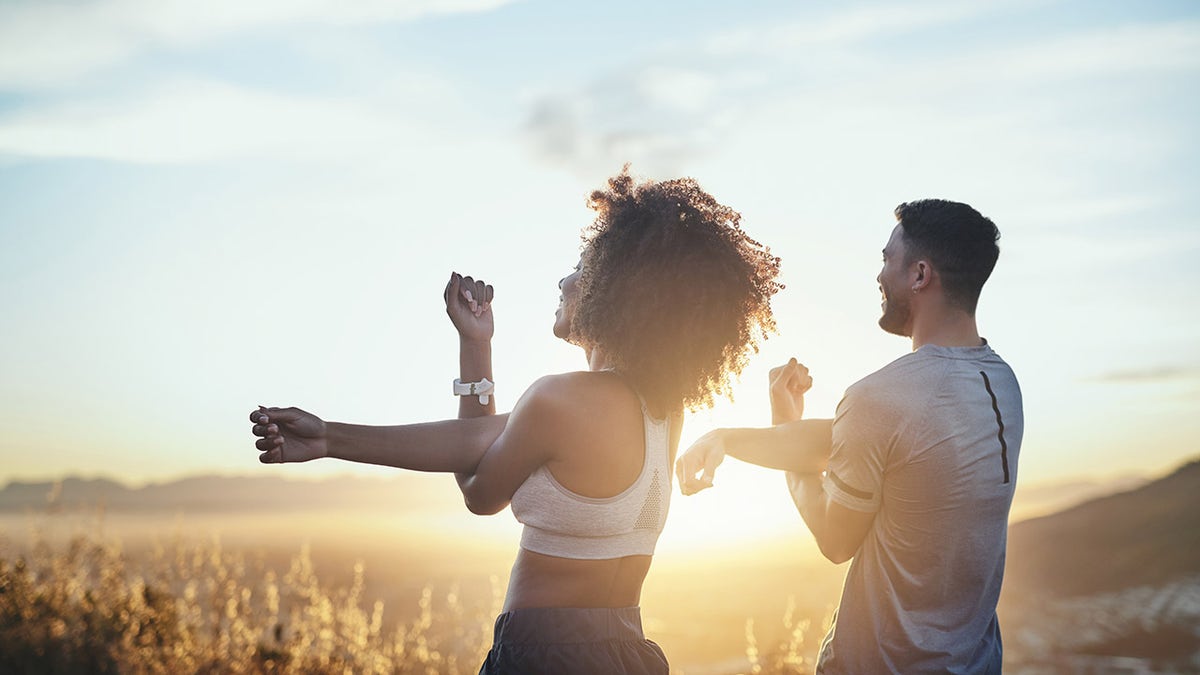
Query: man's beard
896	314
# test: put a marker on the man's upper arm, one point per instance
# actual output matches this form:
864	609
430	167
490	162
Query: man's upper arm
853	482
860	435
846	530
839	530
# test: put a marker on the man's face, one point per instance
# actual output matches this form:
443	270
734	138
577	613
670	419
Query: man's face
895	286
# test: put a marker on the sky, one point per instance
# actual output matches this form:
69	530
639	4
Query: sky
209	206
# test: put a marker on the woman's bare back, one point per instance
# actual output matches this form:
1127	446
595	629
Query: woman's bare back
600	460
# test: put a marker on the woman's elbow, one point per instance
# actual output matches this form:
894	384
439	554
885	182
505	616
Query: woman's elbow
483	507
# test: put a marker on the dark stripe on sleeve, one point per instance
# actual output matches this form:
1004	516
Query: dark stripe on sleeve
999	422
853	492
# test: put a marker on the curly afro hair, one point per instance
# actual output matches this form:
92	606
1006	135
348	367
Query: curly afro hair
672	290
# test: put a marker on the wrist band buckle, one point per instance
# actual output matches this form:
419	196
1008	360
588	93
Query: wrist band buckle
482	389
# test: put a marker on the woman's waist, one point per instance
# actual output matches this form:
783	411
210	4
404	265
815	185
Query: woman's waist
540	580
570	625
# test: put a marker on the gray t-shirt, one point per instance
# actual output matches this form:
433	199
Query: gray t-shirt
929	443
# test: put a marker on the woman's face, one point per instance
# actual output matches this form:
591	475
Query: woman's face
567	300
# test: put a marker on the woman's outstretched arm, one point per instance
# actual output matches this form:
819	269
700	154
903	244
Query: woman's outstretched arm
451	446
494	454
293	435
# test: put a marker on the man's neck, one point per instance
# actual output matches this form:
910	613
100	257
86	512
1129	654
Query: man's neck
946	329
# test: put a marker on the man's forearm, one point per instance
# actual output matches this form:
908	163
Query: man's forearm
839	531
810	500
814	506
802	446
452	446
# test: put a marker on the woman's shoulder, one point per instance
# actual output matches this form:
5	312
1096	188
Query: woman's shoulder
582	385
580	395
585	416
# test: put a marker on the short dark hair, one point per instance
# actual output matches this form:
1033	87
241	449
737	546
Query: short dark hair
672	290
959	242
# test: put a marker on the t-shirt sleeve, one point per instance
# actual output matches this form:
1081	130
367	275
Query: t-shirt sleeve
854	477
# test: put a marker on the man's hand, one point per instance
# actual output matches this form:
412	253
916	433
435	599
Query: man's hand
789	383
288	435
469	305
697	465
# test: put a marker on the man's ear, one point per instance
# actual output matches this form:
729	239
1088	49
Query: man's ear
923	275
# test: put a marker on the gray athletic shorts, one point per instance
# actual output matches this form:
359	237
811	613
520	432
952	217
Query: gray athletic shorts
557	641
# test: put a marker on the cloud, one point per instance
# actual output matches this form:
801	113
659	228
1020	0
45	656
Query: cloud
50	42
1149	375
1110	51
626	119
1065	213
849	27
198	121
822	81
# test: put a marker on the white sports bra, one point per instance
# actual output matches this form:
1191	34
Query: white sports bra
565	524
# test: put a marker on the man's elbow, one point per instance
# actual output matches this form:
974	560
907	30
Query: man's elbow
836	552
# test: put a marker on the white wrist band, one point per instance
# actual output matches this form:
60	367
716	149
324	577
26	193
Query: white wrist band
483	389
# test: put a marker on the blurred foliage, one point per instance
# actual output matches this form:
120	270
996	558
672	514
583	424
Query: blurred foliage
194	608
792	654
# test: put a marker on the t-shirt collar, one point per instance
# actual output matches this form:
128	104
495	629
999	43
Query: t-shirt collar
957	352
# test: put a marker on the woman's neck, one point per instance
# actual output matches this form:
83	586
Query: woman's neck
598	360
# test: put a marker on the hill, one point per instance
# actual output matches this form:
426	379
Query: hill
225	494
1149	536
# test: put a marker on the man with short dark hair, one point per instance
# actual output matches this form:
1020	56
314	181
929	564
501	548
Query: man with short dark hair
914	477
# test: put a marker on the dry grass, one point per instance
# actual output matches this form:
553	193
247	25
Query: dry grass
84	604
794	653
195	608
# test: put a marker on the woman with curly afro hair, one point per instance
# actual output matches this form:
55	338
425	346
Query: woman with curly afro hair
669	299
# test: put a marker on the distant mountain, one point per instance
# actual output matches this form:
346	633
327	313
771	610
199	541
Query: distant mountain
1149	536
225	494
1040	499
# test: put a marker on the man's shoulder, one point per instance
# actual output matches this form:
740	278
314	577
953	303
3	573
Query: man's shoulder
899	372
895	390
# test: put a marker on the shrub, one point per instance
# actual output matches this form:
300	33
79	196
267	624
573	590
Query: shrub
194	608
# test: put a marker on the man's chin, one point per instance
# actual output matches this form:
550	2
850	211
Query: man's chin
889	326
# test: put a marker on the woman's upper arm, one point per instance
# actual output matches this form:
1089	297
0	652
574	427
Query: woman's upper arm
530	439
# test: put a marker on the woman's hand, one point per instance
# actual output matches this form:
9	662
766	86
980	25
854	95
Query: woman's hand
696	467
288	435
789	383
469	306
